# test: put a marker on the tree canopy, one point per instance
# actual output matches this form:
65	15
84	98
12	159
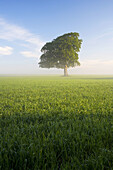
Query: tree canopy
62	52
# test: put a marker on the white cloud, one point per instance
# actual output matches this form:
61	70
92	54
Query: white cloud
34	40
11	32
28	54
6	50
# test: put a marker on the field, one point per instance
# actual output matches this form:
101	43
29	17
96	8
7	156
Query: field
56	123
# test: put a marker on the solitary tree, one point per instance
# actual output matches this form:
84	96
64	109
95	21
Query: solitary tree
62	52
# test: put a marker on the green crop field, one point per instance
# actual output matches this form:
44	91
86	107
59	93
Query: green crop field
56	123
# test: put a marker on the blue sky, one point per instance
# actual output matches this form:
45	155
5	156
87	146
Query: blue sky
26	25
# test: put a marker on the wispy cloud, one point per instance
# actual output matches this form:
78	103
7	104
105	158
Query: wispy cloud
105	34
12	32
28	54
6	50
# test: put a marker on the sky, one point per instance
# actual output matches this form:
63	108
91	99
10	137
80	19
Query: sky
26	25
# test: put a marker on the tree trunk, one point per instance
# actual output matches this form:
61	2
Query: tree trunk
65	70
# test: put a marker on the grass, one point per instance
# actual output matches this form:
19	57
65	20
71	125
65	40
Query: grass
56	122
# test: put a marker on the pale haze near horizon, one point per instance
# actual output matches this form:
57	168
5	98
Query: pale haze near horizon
26	26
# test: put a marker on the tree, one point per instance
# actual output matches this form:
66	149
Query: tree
62	52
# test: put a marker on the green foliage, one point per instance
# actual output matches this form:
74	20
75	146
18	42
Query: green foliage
61	51
56	123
